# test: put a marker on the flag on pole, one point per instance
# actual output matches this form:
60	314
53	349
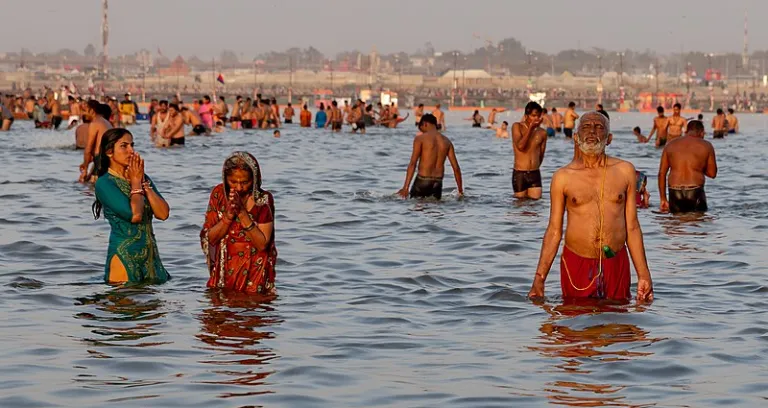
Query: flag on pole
220	78
160	53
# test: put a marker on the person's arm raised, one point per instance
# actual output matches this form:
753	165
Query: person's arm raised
635	238
160	208
551	242
522	142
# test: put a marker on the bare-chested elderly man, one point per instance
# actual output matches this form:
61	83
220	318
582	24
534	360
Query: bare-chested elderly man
598	193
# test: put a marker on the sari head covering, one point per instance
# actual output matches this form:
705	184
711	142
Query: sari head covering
233	261
245	161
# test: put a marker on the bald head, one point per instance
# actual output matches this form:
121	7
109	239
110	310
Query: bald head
594	115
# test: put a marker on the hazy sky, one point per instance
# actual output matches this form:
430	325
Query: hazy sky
205	27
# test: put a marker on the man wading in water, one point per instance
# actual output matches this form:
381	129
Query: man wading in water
529	142
690	158
430	149
598	192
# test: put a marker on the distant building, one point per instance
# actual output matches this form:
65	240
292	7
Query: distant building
178	67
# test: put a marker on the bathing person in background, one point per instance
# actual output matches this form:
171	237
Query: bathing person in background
688	160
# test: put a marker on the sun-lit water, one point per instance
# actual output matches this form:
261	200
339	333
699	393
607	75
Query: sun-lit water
382	302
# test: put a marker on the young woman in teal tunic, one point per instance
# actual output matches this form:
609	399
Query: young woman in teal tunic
130	200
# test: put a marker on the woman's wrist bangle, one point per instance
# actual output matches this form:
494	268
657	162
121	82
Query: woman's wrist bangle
137	191
250	227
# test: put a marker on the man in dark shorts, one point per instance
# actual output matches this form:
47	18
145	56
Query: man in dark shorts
529	142
430	150
175	126
719	125
689	160
570	120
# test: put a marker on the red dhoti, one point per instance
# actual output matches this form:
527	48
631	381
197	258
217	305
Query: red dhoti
584	281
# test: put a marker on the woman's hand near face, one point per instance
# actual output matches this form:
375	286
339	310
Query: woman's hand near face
135	170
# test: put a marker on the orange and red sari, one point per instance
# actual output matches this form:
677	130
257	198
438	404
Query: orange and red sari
234	262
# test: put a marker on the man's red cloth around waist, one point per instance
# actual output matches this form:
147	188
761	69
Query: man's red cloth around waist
612	284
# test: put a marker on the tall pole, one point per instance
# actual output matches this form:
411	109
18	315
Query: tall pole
621	69
600	79
656	67
453	91
104	40
213	77
143	77
331	66
290	79
464	77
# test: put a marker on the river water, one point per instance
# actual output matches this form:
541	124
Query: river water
382	302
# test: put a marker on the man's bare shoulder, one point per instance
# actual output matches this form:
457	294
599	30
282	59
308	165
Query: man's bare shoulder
622	165
445	139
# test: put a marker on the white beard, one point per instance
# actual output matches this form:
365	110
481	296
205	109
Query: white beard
593	149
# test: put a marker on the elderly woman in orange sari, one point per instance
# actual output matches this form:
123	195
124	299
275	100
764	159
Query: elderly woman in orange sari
238	236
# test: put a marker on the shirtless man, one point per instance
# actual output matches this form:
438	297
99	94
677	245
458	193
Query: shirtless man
114	119
75	113
29	106
733	122
718	125
190	117
236	109
305	117
690	159
502	132
221	110
394	113
676	124
55	108
157	125
98	114
598	193
660	127
437	113
347	110
6	117
492	116
529	142
570	119
430	149
546	121
356	117
557	121
174	126
274	115
335	118
288	114
81	134
418	113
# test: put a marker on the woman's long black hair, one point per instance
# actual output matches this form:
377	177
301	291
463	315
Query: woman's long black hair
108	140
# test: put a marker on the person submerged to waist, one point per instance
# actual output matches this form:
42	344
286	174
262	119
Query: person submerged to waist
687	187
430	178
594	252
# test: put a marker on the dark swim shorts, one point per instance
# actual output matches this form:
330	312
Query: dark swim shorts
687	199
523	180
426	187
